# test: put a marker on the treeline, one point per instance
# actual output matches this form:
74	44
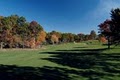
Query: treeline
16	32
58	37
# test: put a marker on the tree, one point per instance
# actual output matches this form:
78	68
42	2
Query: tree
41	38
64	37
115	28
102	38
1	32
81	37
105	29
34	32
6	35
54	39
22	29
48	36
111	28
93	35
86	37
76	38
58	35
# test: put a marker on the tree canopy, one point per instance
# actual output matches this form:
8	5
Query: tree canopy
111	28
15	32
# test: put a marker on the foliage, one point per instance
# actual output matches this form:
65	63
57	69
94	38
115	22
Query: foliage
15	32
115	28
111	28
93	35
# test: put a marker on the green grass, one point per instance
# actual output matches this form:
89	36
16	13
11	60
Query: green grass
79	61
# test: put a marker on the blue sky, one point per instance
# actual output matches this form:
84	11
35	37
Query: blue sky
75	16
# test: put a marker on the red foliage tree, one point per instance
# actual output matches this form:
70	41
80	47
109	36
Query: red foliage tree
105	28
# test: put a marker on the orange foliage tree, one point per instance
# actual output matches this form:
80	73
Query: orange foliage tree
54	39
41	38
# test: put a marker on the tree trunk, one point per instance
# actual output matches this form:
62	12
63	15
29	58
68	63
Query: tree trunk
108	42
23	45
1	45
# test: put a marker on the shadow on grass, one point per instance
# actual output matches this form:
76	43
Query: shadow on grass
88	65
92	64
84	50
79	47
8	72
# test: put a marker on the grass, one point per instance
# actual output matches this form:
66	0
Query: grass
79	61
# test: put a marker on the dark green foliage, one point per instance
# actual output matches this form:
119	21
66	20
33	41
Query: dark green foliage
93	35
115	28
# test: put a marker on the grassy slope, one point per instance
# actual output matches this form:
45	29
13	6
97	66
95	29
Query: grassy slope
31	57
64	61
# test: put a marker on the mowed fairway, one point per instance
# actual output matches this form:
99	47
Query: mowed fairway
73	61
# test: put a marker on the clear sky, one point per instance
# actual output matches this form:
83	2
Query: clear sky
75	16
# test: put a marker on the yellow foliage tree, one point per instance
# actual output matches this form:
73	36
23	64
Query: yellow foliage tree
41	38
54	39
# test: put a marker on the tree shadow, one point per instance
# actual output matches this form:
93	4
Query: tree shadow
92	64
80	47
83	50
13	72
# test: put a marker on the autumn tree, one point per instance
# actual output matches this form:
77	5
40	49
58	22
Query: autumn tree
6	35
1	32
54	39
68	37
48	36
41	38
105	28
102	38
58	35
111	28
34	29
15	31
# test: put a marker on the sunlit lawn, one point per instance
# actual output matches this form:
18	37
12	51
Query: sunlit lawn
72	61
